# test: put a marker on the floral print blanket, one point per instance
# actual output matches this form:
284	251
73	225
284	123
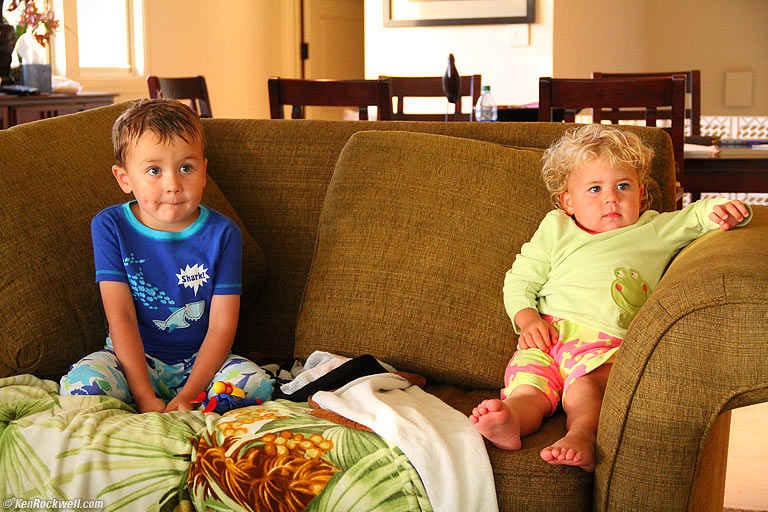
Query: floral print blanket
274	456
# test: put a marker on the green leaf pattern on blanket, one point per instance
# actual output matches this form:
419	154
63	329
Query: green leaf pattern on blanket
275	456
91	447
382	480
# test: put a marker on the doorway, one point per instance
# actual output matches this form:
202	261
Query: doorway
332	33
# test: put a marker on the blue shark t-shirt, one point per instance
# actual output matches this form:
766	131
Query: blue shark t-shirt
172	275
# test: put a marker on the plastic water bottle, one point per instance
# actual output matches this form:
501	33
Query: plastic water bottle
486	109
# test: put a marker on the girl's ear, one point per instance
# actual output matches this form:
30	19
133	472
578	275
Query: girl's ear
565	201
121	175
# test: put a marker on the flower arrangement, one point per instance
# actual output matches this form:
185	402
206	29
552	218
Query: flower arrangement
43	23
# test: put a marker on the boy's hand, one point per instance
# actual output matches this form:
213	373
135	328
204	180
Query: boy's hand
151	404
535	332
729	215
179	403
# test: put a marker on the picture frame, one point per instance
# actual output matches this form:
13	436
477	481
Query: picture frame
435	13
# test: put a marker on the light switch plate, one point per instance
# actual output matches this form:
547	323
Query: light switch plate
517	35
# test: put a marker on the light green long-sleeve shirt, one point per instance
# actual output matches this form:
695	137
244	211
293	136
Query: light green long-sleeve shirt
600	280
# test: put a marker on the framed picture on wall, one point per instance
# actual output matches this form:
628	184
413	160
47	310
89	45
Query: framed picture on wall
418	13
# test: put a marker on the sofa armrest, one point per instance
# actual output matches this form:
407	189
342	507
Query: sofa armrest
696	349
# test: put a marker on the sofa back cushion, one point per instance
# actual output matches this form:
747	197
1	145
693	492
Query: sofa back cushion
275	174
55	175
415	235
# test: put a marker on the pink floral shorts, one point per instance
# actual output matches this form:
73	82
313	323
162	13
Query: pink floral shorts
579	350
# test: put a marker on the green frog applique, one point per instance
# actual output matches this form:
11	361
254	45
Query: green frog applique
629	291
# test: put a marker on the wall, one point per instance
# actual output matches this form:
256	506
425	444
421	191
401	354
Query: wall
239	43
235	44
512	72
658	35
714	36
573	38
597	35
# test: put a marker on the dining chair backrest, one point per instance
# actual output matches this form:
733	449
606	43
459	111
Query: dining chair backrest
619	94
401	87
329	93
692	88
192	89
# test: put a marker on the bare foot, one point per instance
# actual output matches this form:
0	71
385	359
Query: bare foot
577	448
497	423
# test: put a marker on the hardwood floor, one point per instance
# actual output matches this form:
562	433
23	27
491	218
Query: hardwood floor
746	480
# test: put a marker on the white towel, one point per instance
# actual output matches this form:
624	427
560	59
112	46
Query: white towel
445	448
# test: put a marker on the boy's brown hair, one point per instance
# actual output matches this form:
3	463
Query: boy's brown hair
166	118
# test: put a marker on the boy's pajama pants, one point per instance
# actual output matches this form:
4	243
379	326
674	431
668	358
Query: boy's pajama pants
100	373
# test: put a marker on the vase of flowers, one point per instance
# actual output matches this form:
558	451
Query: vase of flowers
42	25
7	42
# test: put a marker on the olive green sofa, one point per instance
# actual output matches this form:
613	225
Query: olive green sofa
392	238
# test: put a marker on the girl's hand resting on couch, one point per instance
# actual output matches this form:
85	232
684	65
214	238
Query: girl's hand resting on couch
729	215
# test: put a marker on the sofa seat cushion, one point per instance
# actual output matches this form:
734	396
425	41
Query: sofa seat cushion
52	312
415	236
521	475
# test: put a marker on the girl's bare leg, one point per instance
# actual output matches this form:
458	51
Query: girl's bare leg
505	422
581	402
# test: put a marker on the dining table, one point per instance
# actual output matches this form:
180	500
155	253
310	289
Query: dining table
732	168
524	113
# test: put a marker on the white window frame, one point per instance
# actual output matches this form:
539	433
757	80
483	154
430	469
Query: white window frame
66	60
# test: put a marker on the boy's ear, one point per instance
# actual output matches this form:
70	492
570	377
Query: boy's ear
205	170
121	175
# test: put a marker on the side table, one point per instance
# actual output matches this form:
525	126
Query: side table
24	109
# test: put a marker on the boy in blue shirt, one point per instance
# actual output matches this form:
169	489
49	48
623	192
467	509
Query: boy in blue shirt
169	272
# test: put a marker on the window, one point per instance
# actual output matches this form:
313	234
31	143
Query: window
101	44
11	17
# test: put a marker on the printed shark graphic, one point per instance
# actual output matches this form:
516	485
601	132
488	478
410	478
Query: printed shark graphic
179	317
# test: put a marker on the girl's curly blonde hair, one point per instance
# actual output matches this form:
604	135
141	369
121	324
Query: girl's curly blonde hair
623	149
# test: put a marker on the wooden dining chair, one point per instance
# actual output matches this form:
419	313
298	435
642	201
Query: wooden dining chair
692	89
622	96
329	93
401	87
191	88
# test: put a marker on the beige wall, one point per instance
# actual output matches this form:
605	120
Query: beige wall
714	36
573	38
661	35
595	35
235	44
511	71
